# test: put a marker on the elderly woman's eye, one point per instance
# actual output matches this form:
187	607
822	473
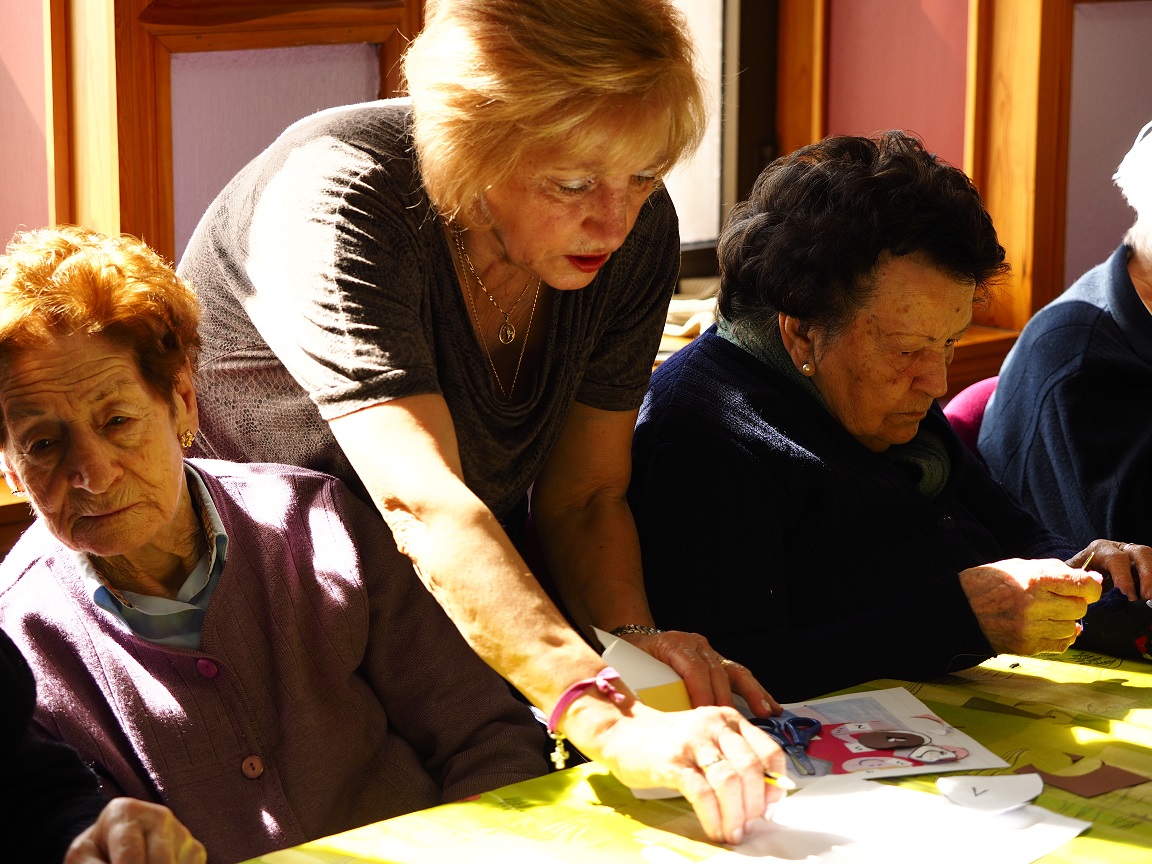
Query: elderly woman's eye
40	445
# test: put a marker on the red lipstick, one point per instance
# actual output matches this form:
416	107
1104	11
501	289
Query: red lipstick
588	263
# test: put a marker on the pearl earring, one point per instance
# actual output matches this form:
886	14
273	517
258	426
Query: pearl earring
806	368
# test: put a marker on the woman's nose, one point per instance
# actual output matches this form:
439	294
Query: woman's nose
90	464
610	219
933	378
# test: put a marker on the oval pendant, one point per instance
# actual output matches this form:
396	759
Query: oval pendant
507	333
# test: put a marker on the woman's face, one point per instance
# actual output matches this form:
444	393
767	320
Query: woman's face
880	376
97	452
562	214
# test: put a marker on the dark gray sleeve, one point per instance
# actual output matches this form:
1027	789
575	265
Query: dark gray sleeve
339	262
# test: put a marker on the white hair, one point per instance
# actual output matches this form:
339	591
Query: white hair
1134	177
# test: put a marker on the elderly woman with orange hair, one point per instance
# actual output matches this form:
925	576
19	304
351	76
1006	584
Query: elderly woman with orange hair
242	643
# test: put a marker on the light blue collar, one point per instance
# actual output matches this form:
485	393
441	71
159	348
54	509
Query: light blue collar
178	621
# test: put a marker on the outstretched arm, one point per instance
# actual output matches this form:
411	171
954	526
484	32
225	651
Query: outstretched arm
589	537
467	562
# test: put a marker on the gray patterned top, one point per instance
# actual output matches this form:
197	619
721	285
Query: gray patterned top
327	286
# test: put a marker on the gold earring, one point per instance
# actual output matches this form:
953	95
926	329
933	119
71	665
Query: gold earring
186	438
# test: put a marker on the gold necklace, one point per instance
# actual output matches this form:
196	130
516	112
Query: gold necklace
507	332
507	394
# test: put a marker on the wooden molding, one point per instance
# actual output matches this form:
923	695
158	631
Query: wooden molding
58	112
1015	133
117	174
1017	142
15	517
93	192
801	72
978	356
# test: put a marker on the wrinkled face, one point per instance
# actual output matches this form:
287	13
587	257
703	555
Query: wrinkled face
562	213
881	375
97	452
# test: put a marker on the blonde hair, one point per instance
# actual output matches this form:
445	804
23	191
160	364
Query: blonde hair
61	281
494	80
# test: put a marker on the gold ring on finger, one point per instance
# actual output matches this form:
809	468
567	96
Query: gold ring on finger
704	766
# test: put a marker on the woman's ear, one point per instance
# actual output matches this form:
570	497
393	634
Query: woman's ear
184	400
797	338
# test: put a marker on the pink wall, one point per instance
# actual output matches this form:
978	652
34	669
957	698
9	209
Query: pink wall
899	64
23	150
227	106
1111	100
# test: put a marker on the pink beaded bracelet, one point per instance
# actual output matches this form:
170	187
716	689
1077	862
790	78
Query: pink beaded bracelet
603	683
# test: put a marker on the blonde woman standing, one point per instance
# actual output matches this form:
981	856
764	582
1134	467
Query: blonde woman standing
456	299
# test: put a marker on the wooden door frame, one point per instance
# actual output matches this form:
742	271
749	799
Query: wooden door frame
111	96
1017	104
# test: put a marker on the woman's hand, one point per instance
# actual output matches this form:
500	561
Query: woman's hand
1029	606
1127	566
129	831
714	757
710	678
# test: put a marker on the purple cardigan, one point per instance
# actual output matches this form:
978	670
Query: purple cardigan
330	690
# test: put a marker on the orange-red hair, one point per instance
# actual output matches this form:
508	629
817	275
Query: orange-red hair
61	281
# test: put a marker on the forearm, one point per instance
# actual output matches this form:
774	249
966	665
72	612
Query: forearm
471	568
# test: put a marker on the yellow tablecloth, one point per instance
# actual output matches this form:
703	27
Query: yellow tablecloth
1059	715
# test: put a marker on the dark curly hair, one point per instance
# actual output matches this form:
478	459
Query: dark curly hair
818	221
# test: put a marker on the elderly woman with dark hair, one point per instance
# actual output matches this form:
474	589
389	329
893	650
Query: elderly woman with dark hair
243	643
840	529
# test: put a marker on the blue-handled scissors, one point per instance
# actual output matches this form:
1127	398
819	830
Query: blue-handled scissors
793	734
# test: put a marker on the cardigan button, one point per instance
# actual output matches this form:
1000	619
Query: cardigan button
944	523
252	767
207	668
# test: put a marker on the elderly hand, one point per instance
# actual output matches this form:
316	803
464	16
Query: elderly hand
1127	566
710	678
713	756
129	831
1029	606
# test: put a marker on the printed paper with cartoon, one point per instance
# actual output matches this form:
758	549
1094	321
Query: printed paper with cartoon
885	733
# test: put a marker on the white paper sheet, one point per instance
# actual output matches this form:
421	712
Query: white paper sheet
847	819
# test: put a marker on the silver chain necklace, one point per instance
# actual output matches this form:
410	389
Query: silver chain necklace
506	393
507	332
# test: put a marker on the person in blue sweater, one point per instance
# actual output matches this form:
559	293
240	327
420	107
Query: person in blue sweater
800	497
1082	470
1085	471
